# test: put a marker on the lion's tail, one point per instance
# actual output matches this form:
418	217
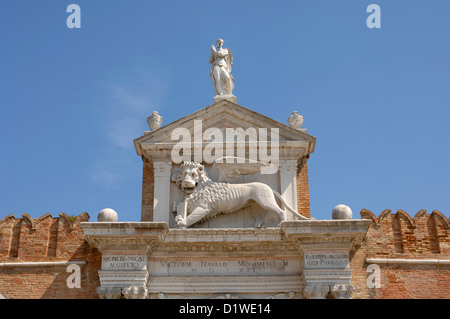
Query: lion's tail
289	208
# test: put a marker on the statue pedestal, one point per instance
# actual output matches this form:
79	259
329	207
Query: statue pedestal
229	97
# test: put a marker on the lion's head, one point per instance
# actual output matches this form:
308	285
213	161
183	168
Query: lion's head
190	176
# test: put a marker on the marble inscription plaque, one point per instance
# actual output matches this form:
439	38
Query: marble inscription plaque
224	267
320	260
124	262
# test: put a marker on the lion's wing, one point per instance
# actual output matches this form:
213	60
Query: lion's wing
230	169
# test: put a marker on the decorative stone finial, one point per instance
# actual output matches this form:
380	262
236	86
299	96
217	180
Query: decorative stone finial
107	215
295	120
154	121
341	212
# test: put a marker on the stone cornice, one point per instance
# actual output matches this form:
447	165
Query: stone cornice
144	236
288	150
130	236
339	234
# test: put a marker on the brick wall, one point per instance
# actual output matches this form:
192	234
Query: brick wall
148	184
45	239
425	237
303	205
390	236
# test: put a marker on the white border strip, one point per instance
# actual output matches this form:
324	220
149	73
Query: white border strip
43	263
391	261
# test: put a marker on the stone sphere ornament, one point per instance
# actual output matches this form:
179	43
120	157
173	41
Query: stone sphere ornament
341	212
107	215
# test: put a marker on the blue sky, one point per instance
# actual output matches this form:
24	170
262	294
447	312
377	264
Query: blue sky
73	100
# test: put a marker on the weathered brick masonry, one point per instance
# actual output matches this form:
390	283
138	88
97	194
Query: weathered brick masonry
31	242
148	185
411	254
303	191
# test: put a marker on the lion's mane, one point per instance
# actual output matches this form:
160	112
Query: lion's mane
207	193
207	196
202	176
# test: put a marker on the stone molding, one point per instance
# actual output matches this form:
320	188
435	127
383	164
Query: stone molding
109	292
341	291
402	261
135	293
43	263
126	293
316	292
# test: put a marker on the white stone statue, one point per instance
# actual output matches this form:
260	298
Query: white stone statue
295	120
205	198
154	121
222	62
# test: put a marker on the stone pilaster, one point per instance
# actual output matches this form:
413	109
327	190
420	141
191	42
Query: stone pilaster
288	182
161	197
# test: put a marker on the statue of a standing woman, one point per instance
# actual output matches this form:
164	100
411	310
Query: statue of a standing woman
222	62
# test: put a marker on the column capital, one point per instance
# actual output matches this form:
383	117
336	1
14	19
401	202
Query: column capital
341	291
109	292
135	293
162	168
288	165
316	291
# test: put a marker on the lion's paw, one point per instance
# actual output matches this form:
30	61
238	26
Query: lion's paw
180	221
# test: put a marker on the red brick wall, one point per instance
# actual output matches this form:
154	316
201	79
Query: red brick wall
303	205
394	236
45	239
398	236
148	184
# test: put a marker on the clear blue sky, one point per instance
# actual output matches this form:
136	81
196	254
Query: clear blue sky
73	100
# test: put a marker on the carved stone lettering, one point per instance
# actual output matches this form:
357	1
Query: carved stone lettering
221	267
320	260
124	262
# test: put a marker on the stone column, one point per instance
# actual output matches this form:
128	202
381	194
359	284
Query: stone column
161	199
288	182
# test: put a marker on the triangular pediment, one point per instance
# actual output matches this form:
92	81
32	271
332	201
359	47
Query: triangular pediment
223	115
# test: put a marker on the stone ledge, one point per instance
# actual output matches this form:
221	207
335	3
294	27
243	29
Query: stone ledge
325	226
42	263
132	236
328	234
393	261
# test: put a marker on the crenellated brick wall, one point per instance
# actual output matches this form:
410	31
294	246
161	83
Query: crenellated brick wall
40	247
413	254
